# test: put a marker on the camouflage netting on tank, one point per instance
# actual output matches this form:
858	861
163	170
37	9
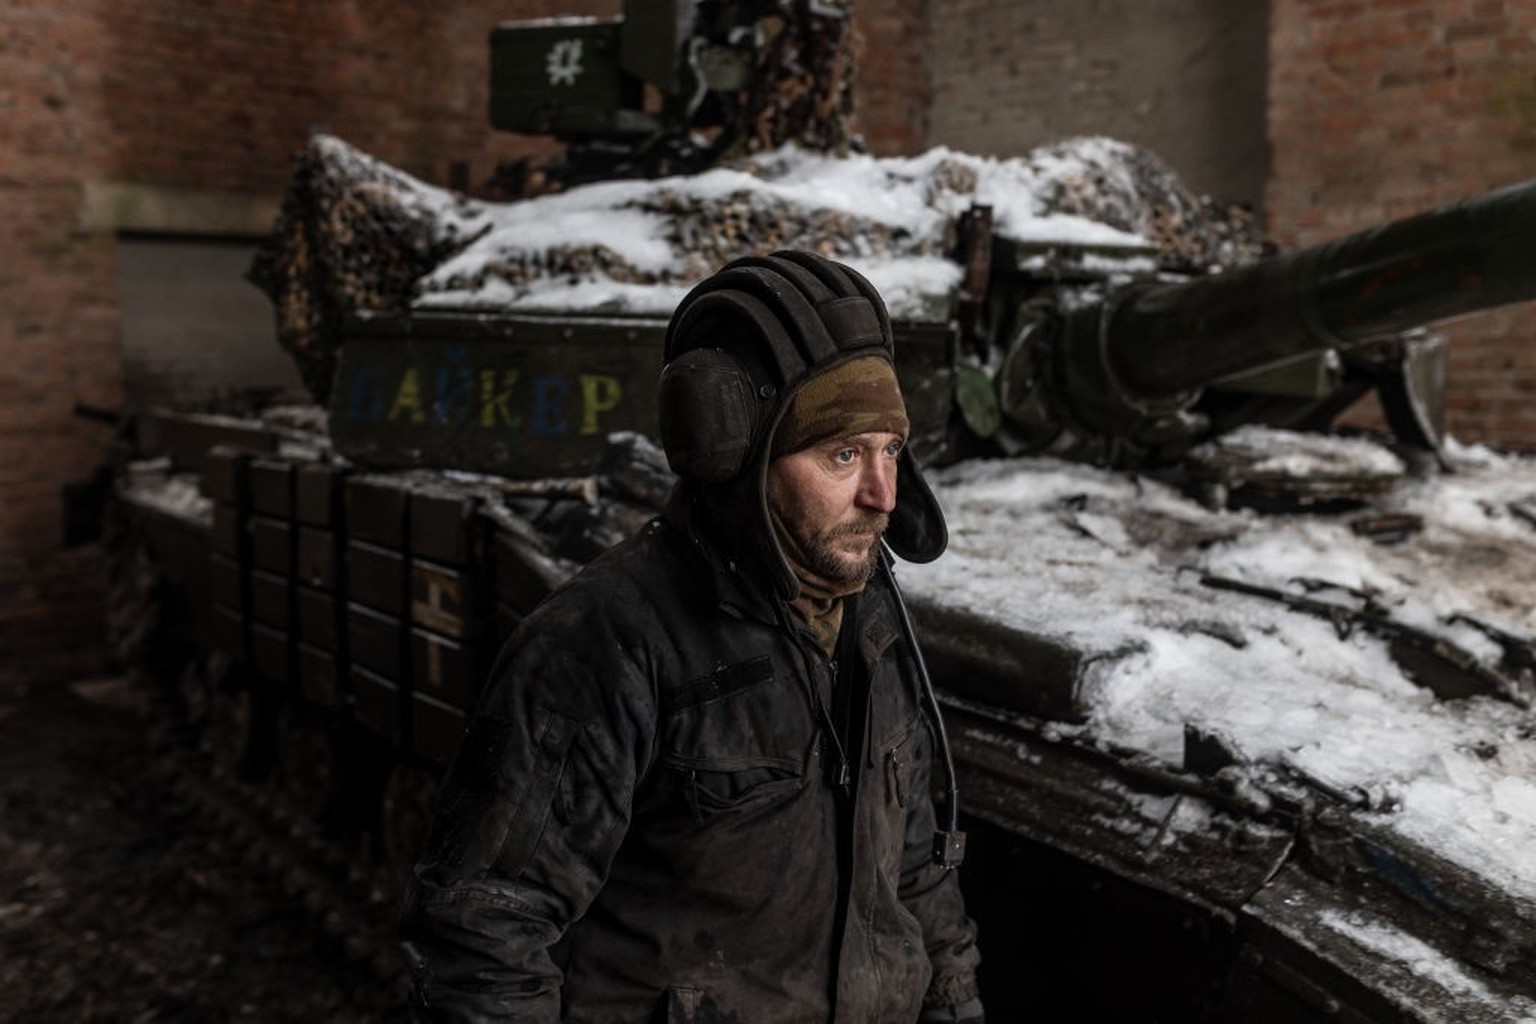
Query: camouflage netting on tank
704	232
857	208
1133	190
353	234
709	230
806	62
356	235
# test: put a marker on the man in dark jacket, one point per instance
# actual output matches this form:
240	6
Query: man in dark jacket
698	786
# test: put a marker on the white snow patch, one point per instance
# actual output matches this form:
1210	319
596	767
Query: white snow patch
1111	563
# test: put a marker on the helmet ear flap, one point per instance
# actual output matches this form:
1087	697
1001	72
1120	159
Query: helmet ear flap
707	413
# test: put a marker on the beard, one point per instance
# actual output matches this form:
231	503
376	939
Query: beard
825	552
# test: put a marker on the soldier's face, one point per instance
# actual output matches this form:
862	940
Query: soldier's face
835	499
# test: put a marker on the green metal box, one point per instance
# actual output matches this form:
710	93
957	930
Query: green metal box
524	396
561	76
318	615
318	680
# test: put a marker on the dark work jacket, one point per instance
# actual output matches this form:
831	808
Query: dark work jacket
641	825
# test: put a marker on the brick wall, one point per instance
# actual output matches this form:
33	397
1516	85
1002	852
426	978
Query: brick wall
1184	78
57	334
220	101
1382	108
893	89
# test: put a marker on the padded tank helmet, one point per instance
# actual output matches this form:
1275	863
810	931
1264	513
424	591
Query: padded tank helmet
739	347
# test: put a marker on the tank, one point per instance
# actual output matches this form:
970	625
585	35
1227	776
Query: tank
1241	706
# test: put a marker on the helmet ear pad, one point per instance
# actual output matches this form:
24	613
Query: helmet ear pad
707	411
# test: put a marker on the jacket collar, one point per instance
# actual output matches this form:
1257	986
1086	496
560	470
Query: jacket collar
732	582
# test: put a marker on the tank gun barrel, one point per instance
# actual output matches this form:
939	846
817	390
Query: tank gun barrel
1471	256
1117	377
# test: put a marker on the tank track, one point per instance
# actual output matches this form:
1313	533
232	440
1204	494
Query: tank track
335	873
325	784
212	753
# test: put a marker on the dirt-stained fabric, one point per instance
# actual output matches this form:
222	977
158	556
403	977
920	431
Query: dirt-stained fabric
646	821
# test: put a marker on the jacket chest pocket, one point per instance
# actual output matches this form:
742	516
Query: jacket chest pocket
901	761
902	755
737	739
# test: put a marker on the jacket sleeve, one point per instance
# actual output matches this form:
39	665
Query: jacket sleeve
528	821
932	894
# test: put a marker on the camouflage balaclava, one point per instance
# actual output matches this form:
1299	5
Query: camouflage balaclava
741	348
